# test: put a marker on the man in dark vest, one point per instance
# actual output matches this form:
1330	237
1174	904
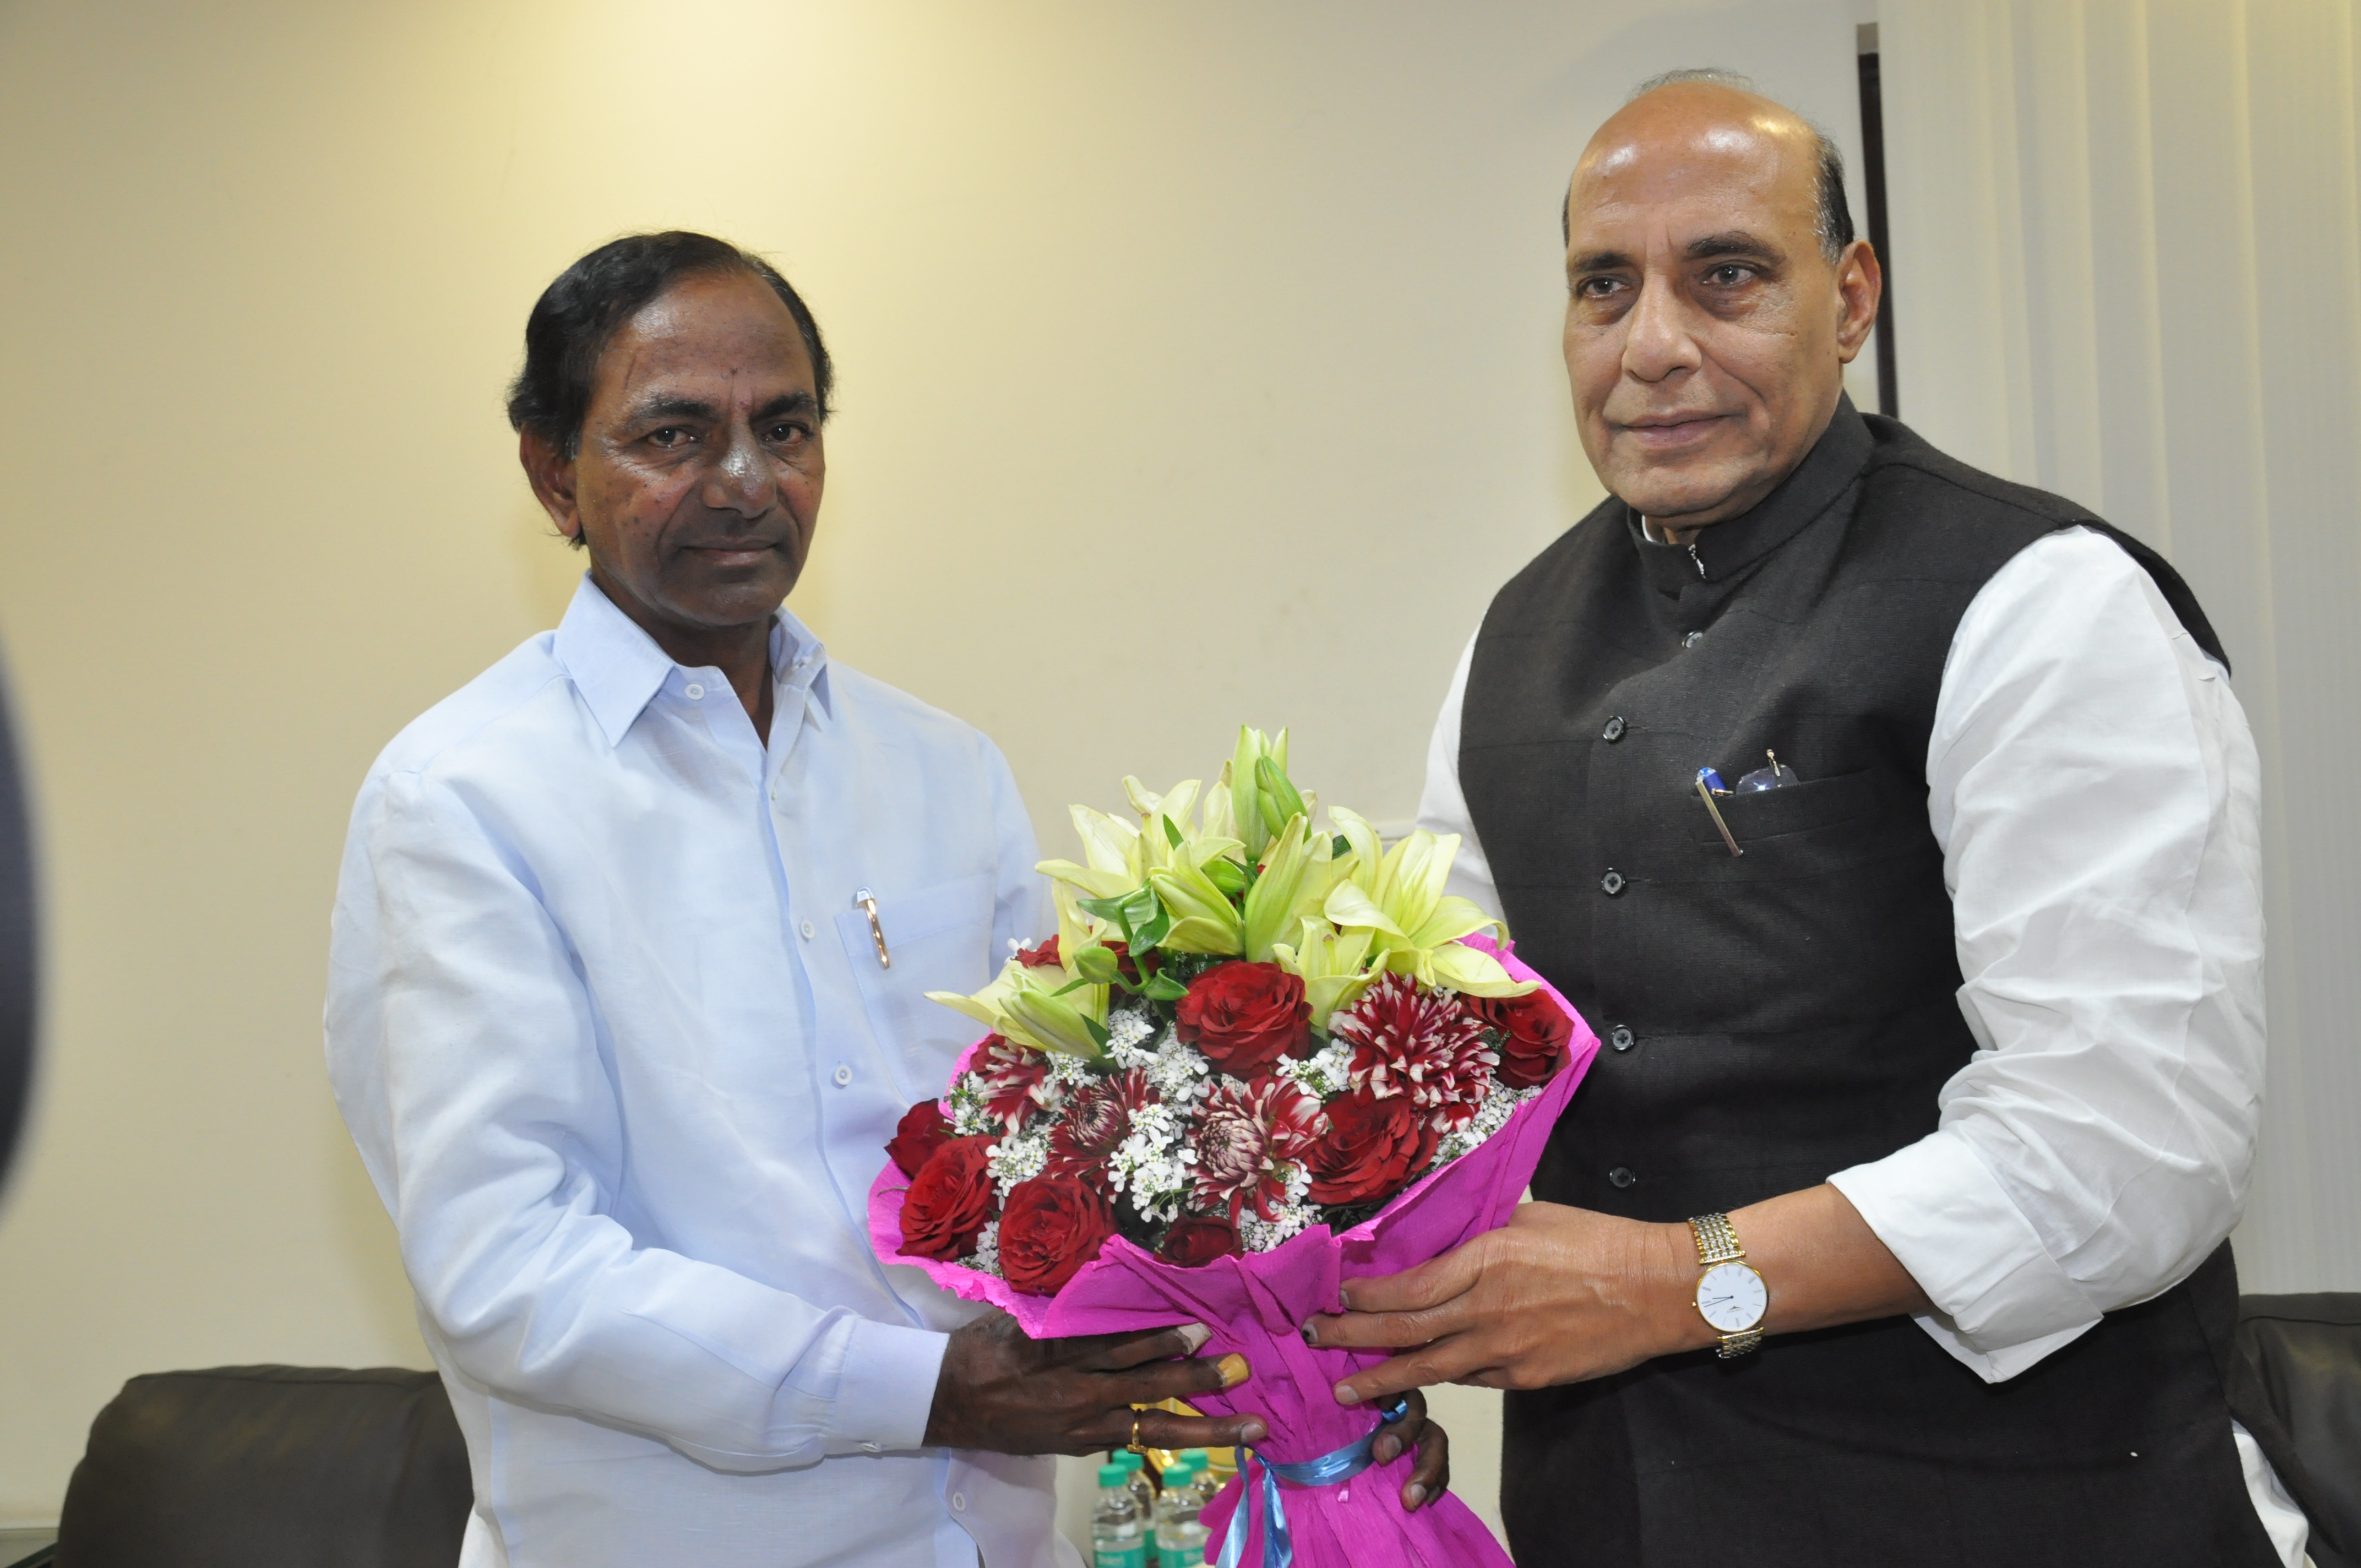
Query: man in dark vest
1933	1045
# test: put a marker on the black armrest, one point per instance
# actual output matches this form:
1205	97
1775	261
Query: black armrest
250	1465
2304	1352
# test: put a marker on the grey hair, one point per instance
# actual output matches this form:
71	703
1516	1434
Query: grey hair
1831	223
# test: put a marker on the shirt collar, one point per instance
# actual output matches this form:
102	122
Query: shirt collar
619	669
1725	549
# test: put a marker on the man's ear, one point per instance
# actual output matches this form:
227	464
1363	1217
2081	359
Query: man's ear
1860	282
551	476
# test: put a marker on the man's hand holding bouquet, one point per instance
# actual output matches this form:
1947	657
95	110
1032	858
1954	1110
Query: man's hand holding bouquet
1260	1055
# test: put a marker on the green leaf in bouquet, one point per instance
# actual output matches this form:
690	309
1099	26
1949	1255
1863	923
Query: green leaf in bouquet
1162	987
1107	909
1128	915
1098	1033
1151	932
1172	831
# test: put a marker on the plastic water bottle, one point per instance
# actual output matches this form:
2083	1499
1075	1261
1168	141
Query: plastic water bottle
1143	1491
1180	1536
1118	1535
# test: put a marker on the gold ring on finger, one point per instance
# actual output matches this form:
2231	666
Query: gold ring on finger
1134	1443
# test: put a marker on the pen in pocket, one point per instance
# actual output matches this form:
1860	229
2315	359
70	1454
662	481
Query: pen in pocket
1708	785
866	901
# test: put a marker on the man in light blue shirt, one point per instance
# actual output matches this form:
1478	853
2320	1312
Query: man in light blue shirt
626	997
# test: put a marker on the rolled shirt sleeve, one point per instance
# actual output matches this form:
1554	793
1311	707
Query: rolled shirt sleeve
504	1145
2095	791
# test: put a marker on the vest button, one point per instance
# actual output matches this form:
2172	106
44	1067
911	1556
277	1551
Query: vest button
1621	1037
1693	639
1611	883
1621	1176
1614	731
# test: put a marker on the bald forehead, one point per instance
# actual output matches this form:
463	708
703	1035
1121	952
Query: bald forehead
1703	128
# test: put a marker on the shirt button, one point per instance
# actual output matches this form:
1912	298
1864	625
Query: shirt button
870	1448
1693	639
1621	1176
695	691
809	929
843	1075
1621	1037
1612	882
959	1502
1614	731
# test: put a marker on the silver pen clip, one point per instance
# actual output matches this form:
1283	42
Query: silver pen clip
866	901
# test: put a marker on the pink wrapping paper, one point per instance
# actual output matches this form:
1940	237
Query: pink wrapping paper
1257	1304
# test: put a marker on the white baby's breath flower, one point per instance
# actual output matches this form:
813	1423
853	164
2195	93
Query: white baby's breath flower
985	1258
1154	1162
970	1108
1490	1117
1179	1073
1258	1234
1018	1156
1324	1073
1130	1031
1070	1070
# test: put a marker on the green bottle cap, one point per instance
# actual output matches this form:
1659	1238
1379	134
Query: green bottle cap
1113	1476
1130	1460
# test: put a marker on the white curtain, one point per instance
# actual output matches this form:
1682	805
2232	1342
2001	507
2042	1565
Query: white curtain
2126	254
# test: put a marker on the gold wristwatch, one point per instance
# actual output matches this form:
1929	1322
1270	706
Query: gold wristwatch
1731	1296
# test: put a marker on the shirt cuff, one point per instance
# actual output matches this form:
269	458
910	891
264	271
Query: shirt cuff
2001	1302
887	1389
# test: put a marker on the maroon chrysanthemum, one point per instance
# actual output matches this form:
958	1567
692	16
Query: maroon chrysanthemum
1015	1080
1419	1043
1094	1120
1250	1139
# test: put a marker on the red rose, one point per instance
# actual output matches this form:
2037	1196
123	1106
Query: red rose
1051	1226
1244	1017
1533	1035
949	1202
1042	957
1196	1242
1373	1147
922	1132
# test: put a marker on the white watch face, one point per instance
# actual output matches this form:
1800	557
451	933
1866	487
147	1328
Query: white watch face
1732	1298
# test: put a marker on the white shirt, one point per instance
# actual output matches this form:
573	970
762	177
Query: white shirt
2096	795
621	1062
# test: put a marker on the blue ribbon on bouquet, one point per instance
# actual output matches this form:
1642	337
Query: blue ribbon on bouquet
1328	1470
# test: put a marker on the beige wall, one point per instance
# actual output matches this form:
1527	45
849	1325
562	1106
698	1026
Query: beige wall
1199	364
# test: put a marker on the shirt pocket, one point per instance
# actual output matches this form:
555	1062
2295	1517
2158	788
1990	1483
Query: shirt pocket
940	938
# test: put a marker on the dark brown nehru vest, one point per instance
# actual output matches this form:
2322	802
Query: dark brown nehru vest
1773	1019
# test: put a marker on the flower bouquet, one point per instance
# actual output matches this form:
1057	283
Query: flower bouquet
1258	1057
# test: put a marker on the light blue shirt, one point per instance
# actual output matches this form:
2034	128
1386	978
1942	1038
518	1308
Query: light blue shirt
621	1059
